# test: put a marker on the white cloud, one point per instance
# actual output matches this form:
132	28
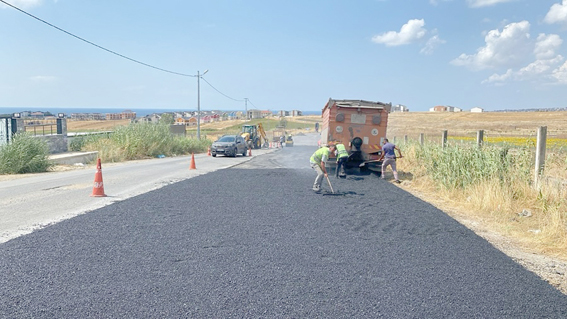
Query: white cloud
560	74
537	68
22	4
432	44
557	13
409	33
499	77
503	49
547	46
485	3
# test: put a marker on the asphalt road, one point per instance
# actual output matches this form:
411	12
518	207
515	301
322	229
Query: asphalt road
253	241
33	201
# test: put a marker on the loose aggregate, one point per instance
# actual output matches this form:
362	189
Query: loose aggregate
254	241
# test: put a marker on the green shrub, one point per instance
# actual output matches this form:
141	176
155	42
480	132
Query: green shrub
77	144
458	166
25	154
138	141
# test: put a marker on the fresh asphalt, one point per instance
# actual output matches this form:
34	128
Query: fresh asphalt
253	241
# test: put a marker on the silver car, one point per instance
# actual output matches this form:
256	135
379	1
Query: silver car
229	145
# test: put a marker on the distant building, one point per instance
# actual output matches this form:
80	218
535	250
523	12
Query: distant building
400	108
125	115
454	109
477	110
438	108
254	114
445	108
87	116
296	113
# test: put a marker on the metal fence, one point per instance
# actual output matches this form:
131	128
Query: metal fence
41	127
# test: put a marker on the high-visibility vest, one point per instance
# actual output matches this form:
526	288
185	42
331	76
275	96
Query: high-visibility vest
317	157
341	151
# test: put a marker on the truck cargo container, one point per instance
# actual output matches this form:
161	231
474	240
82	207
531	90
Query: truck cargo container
361	126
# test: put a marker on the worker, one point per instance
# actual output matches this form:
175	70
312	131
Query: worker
389	157
342	156
317	162
282	140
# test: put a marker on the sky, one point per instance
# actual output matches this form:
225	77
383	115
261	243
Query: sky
283	55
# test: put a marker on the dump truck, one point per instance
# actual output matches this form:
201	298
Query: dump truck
253	135
361	126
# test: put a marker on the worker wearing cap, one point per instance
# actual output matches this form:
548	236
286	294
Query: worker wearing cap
317	162
342	156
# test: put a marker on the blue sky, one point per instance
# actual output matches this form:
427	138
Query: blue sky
283	55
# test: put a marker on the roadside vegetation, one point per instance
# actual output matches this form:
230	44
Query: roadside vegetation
139	141
24	154
494	184
124	141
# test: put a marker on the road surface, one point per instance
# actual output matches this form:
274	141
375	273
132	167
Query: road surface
253	241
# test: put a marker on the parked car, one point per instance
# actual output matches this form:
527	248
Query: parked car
229	145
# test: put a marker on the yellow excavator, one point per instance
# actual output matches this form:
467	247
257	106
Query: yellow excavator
253	135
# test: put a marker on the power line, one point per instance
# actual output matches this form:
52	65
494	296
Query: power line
217	90
94	44
251	103
115	53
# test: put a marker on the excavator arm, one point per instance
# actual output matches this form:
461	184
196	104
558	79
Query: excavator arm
262	132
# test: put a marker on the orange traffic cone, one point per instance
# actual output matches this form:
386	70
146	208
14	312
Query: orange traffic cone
98	188
192	165
209	151
250	151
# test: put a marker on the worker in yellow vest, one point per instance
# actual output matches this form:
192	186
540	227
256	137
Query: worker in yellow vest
317	162
342	156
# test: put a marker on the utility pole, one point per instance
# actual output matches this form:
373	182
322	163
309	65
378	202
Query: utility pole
246	107
198	106
199	103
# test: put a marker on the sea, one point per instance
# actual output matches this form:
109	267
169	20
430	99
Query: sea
8	111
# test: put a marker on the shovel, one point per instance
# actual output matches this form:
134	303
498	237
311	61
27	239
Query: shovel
331	186
332	190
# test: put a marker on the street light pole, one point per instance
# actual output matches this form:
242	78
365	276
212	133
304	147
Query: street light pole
199	103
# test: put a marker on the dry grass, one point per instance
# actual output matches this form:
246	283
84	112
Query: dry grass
88	126
494	124
494	206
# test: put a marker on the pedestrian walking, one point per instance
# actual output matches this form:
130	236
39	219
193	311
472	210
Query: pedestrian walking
317	162
389	158
282	140
342	156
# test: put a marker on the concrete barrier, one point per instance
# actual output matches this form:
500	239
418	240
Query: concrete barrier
71	158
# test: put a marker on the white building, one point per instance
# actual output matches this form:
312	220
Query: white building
477	110
400	108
